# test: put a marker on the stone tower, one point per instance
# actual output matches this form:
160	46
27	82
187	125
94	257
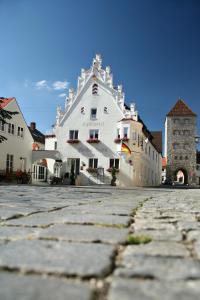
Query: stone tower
180	146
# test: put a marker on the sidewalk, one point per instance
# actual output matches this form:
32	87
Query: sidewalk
99	243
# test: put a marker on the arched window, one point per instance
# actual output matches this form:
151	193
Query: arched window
95	89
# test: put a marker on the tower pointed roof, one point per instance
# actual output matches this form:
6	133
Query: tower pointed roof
181	109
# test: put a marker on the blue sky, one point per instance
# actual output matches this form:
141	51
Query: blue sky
152	46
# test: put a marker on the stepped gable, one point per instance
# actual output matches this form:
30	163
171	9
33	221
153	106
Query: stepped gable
181	109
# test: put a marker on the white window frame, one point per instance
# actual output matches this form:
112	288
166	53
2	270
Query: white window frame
92	115
72	134
9	162
94	134
2	126
93	163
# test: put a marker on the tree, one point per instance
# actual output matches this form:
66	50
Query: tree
5	115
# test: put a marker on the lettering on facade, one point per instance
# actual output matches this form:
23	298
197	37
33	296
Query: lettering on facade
93	124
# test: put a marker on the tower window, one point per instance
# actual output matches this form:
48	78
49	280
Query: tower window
95	89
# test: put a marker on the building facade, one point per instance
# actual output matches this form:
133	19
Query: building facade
91	128
180	144
16	151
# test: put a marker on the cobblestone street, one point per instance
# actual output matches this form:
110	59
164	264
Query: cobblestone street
99	243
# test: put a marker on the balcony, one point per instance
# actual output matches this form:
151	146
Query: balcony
93	141
73	141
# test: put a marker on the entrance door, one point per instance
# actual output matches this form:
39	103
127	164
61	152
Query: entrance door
39	173
75	162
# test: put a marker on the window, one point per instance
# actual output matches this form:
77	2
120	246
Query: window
176	132
186	132
93	163
82	110
118	133
175	157
125	132
9	163
145	148
142	144
2	126
55	145
94	134
114	162
95	89
20	131
176	121
134	135
186	146
105	110
149	151
93	113
186	121
73	134
186	157
175	146
11	128
180	157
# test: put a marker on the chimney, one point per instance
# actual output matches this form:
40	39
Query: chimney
33	125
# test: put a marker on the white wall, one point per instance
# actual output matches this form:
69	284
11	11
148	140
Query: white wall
50	145
105	122
16	145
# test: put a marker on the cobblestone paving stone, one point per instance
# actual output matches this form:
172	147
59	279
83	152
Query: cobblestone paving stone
80	243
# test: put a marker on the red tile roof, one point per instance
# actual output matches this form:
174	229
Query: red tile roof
157	140
4	101
181	109
164	162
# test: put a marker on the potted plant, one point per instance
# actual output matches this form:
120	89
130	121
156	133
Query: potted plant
114	178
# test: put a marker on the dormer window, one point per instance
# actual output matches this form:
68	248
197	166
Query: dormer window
95	89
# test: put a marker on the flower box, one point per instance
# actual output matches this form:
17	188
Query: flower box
125	139
93	141
110	170
117	140
73	141
92	170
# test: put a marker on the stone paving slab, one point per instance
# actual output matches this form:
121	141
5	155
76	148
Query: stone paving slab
32	287
130	289
161	268
16	233
160	235
169	249
57	257
73	242
86	233
60	217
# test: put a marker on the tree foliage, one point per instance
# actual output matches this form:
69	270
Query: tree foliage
4	116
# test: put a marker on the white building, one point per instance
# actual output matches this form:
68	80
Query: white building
90	129
16	151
